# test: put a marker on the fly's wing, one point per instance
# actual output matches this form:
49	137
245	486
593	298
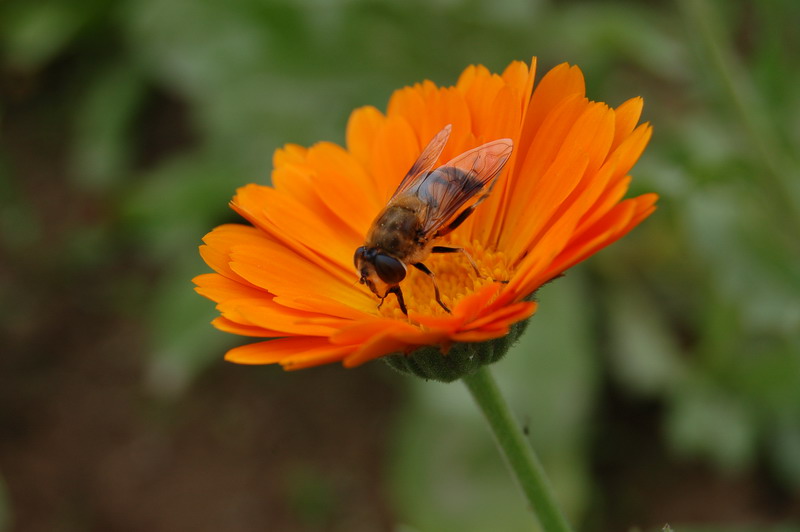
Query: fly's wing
445	190
425	161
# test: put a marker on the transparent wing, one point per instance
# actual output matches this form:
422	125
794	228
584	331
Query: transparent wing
425	161
445	190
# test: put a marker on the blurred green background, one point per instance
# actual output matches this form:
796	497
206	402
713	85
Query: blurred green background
660	381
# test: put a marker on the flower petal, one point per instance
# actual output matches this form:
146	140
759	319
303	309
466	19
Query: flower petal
224	324
220	288
395	149
301	351
391	341
562	83
317	236
269	314
359	332
284	273
506	315
363	126
613	226
345	186
216	251
627	116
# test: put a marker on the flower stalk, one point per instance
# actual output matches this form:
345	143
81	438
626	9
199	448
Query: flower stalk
515	449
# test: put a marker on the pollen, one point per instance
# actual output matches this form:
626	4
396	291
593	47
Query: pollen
455	277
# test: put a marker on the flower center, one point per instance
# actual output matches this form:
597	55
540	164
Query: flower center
455	277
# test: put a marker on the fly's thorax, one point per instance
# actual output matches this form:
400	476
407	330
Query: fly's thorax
398	230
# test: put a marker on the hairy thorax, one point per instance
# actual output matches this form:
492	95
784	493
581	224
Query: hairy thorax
398	231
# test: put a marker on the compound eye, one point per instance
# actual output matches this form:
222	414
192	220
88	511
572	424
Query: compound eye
359	256
389	269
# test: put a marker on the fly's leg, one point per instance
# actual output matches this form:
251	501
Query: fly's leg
400	301
424	269
445	249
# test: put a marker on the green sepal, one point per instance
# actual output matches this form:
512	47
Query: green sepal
463	358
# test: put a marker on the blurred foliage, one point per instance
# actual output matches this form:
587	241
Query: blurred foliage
697	310
5	509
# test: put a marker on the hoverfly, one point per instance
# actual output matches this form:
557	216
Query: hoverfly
423	209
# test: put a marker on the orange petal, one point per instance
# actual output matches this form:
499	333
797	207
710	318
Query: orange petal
590	137
480	94
227	235
481	335
362	128
561	83
271	315
505	315
391	341
395	149
409	104
593	133
284	273
520	77
283	350
633	146
219	288
362	331
467	309
530	170
609	198
627	116
323	304
318	238
645	206
316	358
224	324
623	159
486	223
216	251
529	272
289	154
301	182
346	187
613	226
559	181
377	346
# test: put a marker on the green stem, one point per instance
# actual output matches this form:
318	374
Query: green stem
516	450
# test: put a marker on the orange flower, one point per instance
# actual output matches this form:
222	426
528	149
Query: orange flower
290	275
